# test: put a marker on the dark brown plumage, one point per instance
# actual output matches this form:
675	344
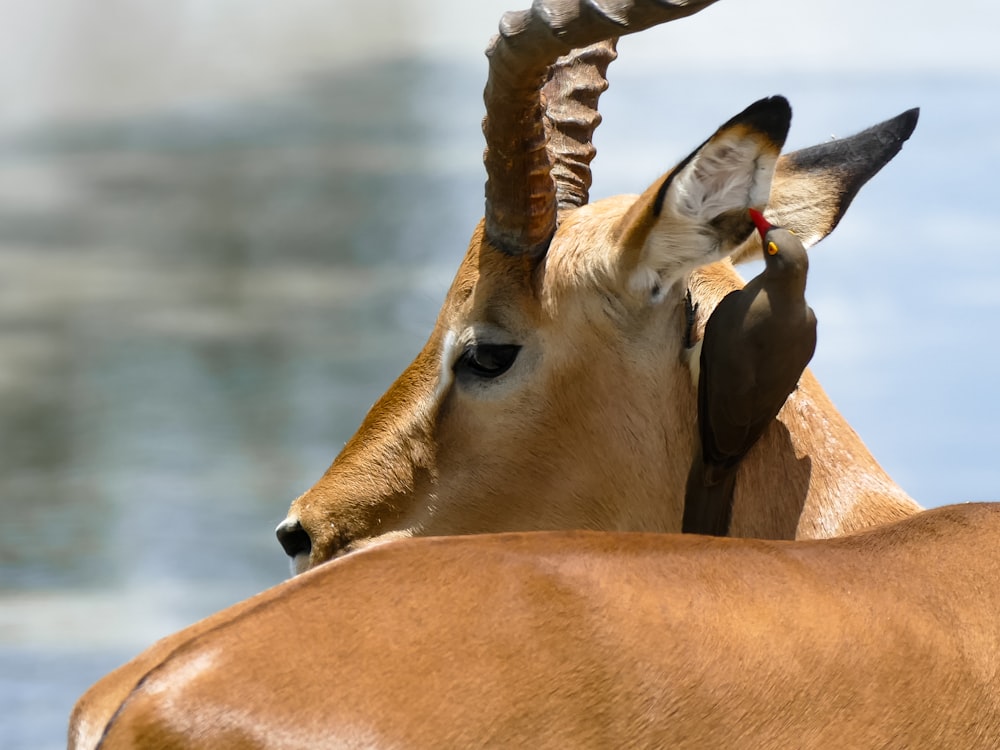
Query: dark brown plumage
757	342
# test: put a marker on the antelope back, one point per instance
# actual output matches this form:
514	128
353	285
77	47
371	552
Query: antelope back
578	639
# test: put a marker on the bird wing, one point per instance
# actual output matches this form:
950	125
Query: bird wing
724	415
725	386
733	406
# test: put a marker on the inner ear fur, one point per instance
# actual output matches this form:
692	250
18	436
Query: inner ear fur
696	213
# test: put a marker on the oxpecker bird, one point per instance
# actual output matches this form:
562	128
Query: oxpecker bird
757	342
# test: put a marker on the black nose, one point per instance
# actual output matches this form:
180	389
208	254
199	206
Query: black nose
293	538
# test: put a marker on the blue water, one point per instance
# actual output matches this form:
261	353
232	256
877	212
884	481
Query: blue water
198	305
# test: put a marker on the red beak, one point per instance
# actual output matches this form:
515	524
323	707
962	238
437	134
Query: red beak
762	224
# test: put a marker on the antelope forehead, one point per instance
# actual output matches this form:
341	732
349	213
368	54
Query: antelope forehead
583	257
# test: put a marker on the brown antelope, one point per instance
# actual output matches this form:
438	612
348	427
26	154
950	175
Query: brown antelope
555	391
886	638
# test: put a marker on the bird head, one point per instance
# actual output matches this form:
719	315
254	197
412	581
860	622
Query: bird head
779	244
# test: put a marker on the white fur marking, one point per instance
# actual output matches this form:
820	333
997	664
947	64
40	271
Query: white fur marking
694	361
299	564
446	374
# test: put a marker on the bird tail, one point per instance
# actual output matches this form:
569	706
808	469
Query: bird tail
708	499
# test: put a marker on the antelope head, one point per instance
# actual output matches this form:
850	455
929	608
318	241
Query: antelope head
554	390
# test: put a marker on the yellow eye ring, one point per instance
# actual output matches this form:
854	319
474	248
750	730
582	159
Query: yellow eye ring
772	249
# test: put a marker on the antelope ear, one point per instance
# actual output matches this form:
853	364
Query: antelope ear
812	188
697	213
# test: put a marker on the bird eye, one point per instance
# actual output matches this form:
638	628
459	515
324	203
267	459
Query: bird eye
487	360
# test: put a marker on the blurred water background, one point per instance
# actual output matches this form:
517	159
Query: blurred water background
226	226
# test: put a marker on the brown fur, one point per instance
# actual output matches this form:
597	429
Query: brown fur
605	411
576	639
593	429
597	416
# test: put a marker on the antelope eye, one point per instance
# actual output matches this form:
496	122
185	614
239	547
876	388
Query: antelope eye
487	360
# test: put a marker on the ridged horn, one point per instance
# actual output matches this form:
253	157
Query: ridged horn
576	82
521	200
